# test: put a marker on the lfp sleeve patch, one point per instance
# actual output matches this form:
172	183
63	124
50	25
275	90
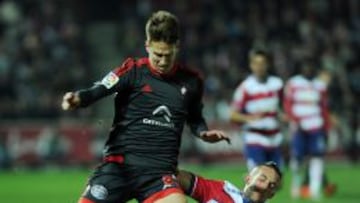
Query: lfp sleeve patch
110	80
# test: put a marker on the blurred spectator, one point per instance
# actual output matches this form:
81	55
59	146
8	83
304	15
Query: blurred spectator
37	40
354	81
52	147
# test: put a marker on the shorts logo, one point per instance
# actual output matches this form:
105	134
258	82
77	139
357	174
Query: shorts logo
99	192
110	80
169	181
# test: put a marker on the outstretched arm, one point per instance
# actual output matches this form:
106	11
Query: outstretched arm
85	97
118	79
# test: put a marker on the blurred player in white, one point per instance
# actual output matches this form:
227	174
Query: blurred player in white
256	105
305	104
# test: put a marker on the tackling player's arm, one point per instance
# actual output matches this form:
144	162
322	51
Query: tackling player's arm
197	122
201	189
118	79
195	186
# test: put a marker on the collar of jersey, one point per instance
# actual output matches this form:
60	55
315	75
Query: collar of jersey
237	195
233	192
157	73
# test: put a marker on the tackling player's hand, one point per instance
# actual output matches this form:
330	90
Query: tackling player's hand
71	100
214	136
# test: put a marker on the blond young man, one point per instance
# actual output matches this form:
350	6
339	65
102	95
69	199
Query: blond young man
155	97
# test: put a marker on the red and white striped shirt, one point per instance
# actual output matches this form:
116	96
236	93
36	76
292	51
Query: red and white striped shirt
260	98
306	103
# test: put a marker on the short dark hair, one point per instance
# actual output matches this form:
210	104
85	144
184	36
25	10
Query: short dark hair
256	52
162	26
309	62
274	166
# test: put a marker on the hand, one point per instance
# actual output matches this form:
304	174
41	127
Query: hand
214	136
283	117
334	121
253	117
71	100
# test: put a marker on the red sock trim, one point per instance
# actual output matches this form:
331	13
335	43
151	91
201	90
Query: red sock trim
162	194
85	200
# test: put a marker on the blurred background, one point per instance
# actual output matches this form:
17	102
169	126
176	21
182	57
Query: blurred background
48	47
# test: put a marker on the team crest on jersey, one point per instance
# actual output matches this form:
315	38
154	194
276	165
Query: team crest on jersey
183	90
99	192
110	80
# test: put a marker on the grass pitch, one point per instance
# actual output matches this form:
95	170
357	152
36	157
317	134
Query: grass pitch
54	186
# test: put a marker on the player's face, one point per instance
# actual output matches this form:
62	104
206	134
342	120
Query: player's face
325	76
259	65
261	184
308	71
162	55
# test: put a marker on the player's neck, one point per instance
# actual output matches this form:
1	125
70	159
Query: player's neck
261	79
157	71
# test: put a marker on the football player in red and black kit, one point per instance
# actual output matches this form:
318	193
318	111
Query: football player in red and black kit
154	97
262	183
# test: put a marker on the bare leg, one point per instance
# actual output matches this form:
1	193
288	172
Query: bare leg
172	198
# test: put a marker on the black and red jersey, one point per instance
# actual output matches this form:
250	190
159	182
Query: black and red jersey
150	111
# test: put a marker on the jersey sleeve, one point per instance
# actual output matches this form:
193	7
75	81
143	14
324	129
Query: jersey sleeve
238	102
288	101
195	117
204	189
324	104
120	78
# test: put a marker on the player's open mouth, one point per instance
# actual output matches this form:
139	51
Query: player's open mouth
163	67
258	190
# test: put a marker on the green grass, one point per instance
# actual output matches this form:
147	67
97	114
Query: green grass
55	186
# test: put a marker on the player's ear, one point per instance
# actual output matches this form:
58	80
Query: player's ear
177	46
147	46
247	179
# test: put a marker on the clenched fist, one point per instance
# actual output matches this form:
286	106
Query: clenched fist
71	100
